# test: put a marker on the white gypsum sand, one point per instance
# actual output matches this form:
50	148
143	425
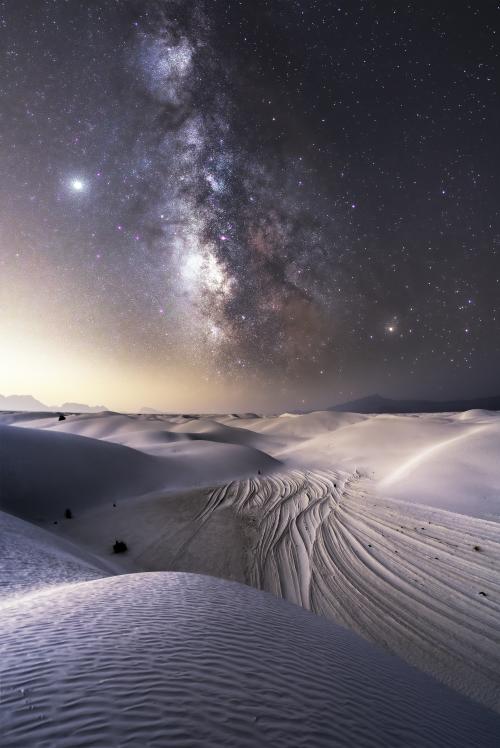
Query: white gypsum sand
387	524
179	659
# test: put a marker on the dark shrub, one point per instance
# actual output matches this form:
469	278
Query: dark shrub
62	417
68	514
119	547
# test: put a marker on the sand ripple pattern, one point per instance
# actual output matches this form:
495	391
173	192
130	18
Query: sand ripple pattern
161	659
32	558
407	577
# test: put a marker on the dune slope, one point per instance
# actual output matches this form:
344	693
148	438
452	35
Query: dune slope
43	472
405	576
32	558
351	527
174	659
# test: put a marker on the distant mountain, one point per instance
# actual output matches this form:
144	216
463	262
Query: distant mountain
28	402
21	402
81	408
149	411
379	404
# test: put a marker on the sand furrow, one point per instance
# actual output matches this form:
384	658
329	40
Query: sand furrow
323	540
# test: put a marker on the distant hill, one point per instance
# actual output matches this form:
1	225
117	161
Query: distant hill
379	404
21	402
28	402
80	408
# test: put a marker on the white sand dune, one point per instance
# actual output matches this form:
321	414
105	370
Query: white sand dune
43	471
445	460
184	660
387	524
153	434
34	559
461	473
404	576
306	426
324	541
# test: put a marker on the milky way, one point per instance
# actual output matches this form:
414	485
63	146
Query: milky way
298	195
249	261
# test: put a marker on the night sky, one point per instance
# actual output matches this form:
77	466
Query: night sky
230	205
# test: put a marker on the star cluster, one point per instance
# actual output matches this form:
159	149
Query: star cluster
301	197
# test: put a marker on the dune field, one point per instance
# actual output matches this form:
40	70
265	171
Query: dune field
385	526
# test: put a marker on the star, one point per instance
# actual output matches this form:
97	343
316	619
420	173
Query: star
212	204
77	185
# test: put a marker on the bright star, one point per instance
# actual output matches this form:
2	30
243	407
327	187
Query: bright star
77	185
